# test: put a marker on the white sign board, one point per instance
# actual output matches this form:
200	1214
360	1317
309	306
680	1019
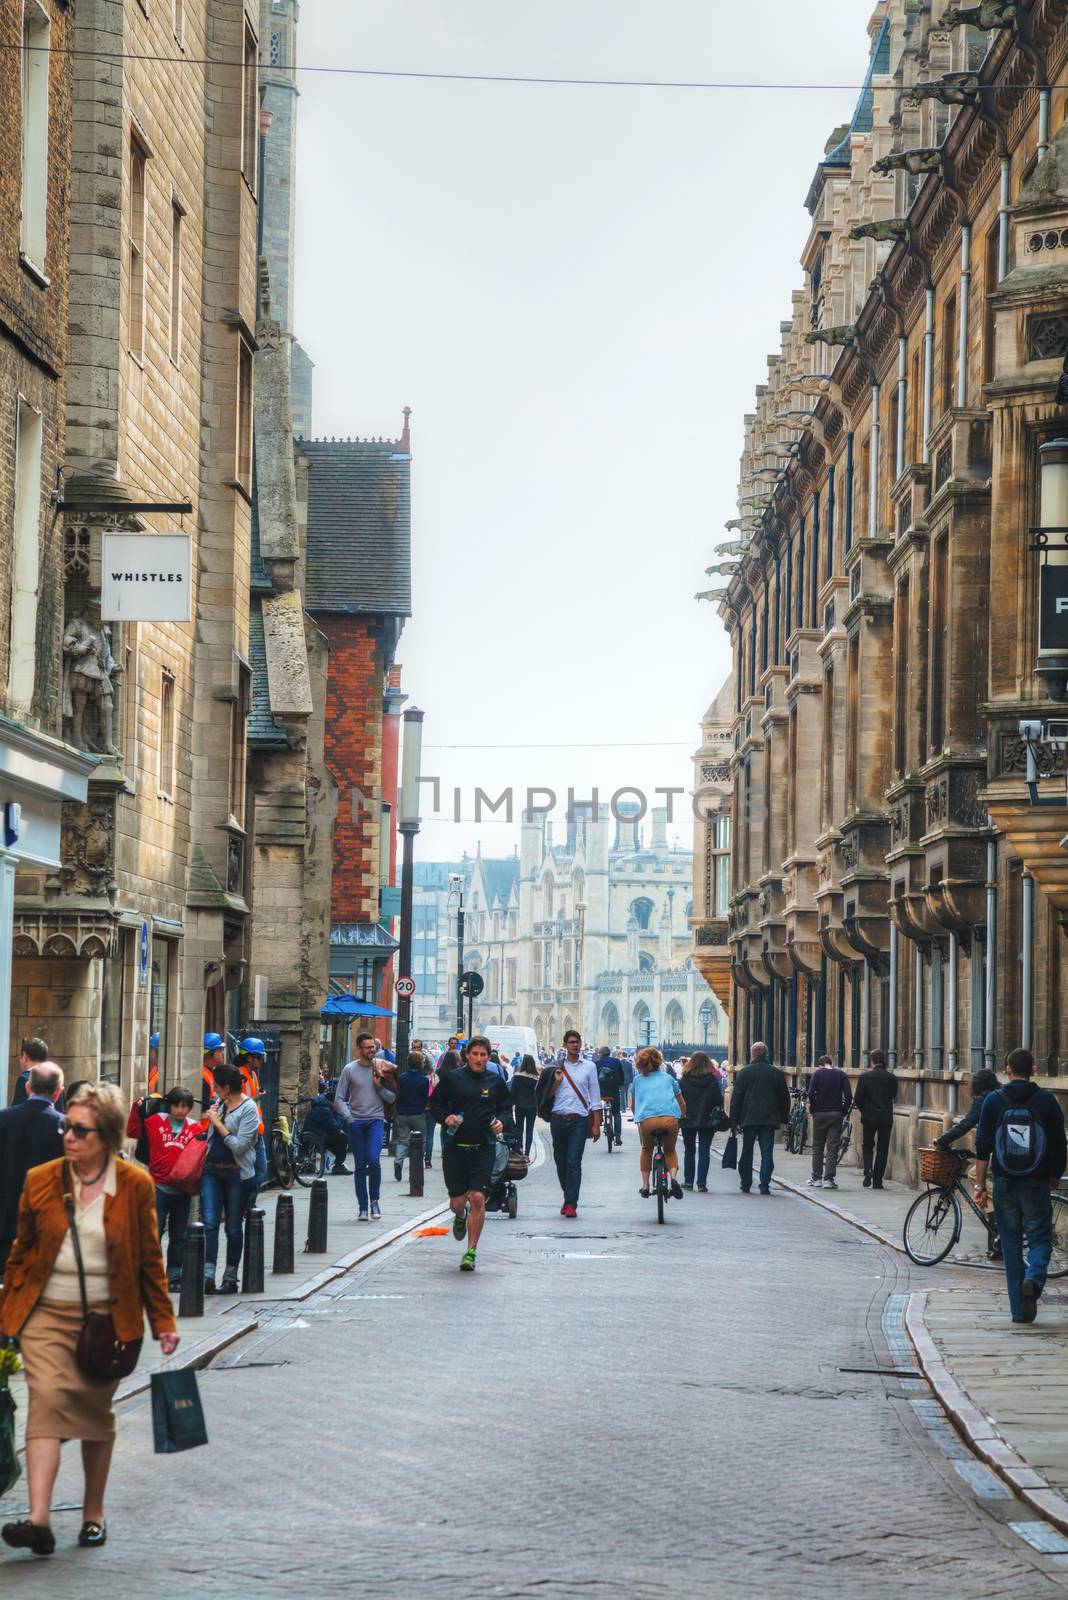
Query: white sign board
145	577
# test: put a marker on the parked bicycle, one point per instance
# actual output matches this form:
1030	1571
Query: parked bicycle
796	1136
845	1139
292	1155
935	1220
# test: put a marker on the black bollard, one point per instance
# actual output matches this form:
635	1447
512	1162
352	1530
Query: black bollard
252	1260
415	1166
283	1235
316	1243
191	1300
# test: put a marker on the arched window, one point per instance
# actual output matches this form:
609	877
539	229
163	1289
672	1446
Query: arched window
578	889
639	1020
610	1025
645	962
547	898
641	910
674	1024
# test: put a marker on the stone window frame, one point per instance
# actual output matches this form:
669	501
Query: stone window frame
243	415
250	104
25	555
35	119
168	727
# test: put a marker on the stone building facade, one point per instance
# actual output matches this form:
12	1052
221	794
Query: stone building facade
591	933
898	876
142	926
712	845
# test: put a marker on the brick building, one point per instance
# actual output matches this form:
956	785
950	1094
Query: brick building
898	753
358	591
38	769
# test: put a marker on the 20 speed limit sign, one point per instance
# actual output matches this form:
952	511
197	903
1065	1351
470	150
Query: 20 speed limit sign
405	987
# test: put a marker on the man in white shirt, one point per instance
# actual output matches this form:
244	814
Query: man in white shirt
577	1095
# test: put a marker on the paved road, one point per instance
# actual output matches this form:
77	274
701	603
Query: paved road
605	1407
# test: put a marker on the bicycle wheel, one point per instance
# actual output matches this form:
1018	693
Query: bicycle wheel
309	1161
281	1162
1058	1261
845	1140
932	1227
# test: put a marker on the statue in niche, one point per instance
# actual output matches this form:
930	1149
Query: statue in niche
89	673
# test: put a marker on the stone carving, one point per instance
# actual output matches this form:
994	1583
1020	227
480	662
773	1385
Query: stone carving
88	848
719	773
986	15
967	809
885	232
938	801
235	864
1047	337
841	333
953	89
849	852
899	823
89	671
925	158
711	934
1012	756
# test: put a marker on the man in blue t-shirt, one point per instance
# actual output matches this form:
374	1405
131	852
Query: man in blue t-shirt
1022	1128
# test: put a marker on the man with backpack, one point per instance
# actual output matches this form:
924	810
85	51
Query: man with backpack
1022	1128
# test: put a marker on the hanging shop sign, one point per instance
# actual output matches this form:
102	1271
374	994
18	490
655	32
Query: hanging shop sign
145	577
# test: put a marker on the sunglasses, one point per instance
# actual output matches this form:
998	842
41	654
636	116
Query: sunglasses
78	1130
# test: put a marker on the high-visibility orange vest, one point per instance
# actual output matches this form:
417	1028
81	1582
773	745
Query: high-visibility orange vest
251	1084
207	1093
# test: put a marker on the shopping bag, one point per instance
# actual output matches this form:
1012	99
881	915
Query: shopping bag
10	1466
730	1153
188	1167
177	1415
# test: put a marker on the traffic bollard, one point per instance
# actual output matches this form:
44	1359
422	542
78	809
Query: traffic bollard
191	1299
316	1243
252	1260
415	1166
283	1235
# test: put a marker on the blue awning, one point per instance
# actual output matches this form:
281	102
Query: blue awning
348	1006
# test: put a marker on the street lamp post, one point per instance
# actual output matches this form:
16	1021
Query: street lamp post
706	1019
409	827
456	883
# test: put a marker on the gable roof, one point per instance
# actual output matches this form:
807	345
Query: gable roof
500	878
359	526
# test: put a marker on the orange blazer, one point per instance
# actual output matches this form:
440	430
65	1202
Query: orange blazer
135	1261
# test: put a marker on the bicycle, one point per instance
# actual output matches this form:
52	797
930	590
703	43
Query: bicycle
659	1181
293	1156
796	1136
845	1139
607	1110
935	1220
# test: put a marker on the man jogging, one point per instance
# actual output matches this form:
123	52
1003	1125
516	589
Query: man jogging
474	1108
575	1115
1022	1128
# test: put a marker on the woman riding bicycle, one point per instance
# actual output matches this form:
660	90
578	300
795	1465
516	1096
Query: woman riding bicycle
657	1104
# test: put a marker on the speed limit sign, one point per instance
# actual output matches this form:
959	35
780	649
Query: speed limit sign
405	987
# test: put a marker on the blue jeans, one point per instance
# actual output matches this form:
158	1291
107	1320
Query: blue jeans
222	1195
428	1148
1023	1208
259	1177
172	1217
697	1140
569	1144
366	1139
750	1136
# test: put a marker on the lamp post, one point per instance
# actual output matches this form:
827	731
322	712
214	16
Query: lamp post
706	1019
411	762
456	887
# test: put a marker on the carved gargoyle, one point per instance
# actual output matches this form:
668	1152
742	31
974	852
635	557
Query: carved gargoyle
986	15
714	595
841	333
954	89
925	158
725	569
886	232
814	385
733	547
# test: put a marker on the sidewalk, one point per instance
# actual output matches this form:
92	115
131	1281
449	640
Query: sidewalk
1004	1385
227	1319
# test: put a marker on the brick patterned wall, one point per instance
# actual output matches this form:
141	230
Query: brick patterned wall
354	755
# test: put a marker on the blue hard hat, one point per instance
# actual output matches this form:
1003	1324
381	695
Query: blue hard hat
153	1041
214	1041
254	1047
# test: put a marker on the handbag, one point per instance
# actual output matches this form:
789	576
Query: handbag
590	1112
100	1353
730	1153
188	1168
177	1414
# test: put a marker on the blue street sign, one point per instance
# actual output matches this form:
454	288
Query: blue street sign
142	955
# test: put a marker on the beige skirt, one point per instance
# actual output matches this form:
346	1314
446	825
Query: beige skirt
63	1403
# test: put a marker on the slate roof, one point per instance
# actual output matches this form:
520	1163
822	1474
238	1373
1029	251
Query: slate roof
500	878
864	115
262	731
359	527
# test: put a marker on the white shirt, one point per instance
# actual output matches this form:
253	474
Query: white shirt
567	1102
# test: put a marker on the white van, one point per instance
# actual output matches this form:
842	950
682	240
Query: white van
512	1039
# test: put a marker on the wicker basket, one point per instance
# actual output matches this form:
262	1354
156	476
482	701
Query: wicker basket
941	1166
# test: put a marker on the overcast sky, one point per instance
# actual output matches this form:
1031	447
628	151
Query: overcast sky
576	290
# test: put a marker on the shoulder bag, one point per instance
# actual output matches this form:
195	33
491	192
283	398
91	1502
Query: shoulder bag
101	1355
590	1112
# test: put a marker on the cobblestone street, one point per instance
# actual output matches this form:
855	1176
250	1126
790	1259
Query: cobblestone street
606	1406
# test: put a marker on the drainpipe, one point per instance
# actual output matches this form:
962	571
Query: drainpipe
866	1037
951	998
917	985
1003	218
1043	122
991	951
891	1021
1027	963
873	488
965	287
928	370
937	1018
902	386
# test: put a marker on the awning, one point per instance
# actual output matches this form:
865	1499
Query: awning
348	1006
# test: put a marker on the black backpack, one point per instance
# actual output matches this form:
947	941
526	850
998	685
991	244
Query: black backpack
1020	1140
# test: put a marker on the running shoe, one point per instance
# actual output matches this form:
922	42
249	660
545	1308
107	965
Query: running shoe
459	1224
376	1211
467	1261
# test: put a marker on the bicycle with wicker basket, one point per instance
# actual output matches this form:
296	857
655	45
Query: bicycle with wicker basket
935	1220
